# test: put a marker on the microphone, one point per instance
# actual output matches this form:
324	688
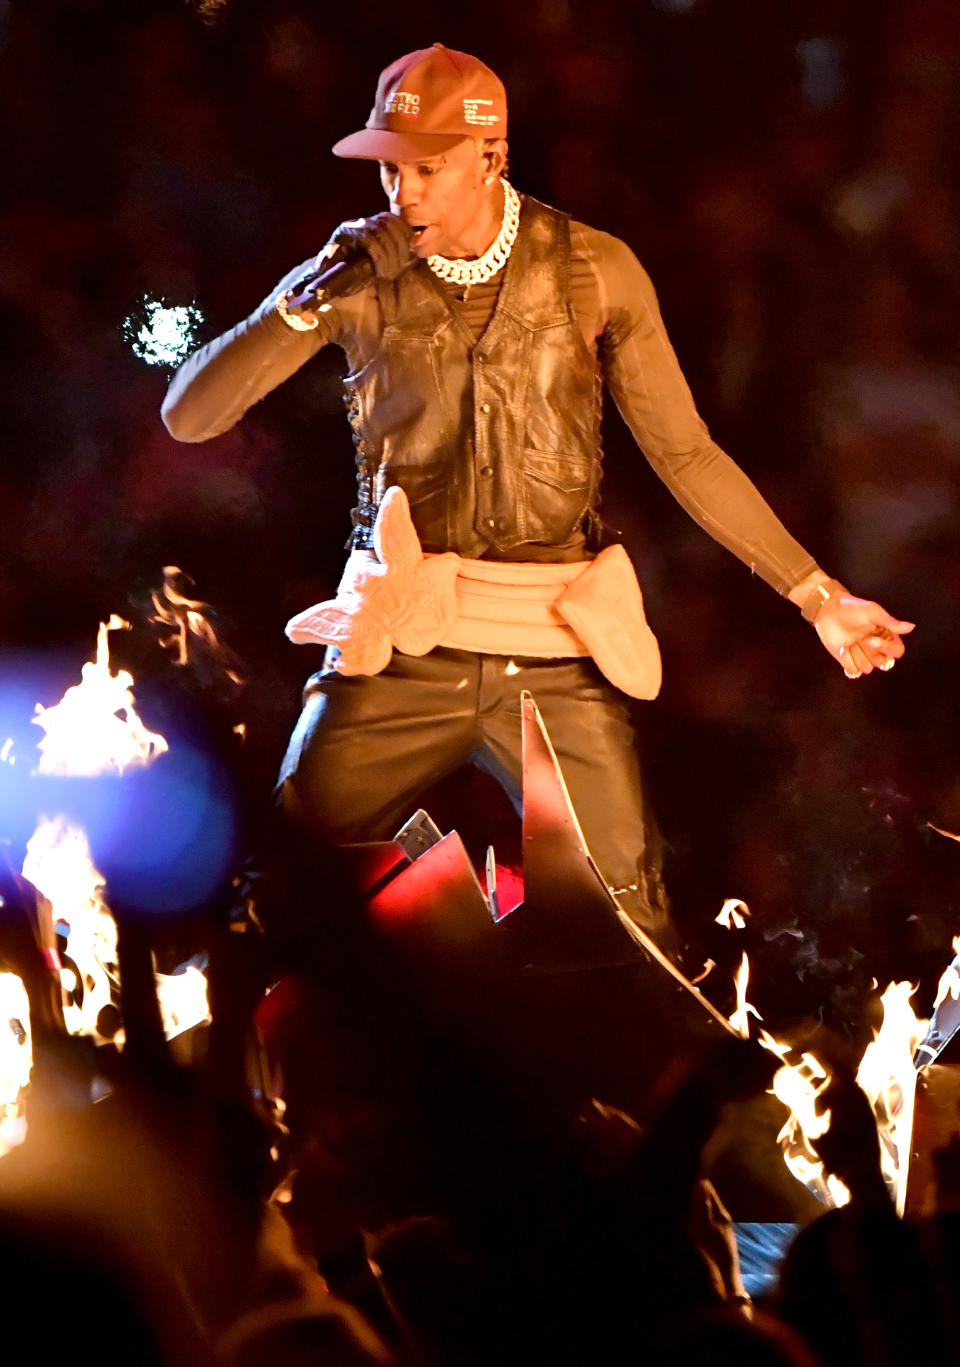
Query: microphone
345	278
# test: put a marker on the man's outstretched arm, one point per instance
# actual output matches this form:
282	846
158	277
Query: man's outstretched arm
652	394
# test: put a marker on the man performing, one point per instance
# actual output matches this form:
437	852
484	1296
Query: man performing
477	347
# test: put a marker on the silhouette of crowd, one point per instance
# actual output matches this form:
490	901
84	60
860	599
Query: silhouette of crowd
334	1171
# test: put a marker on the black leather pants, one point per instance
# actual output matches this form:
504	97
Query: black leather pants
366	746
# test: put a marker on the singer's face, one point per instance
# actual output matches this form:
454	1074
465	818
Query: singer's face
446	200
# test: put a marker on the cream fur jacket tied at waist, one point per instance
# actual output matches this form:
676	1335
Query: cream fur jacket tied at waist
395	597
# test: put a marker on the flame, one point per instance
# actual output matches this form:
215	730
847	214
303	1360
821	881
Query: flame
888	1075
733	914
187	617
183	999
59	865
797	1086
16	1059
740	1020
94	728
949	984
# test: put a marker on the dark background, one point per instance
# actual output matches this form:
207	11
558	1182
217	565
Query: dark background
787	173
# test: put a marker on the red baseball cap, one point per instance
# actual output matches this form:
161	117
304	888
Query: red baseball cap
426	102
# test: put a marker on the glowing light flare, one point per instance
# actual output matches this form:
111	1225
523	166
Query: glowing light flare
16	1060
888	1076
6	756
740	1019
733	914
94	728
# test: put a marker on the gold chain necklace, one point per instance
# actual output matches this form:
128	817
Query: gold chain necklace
483	268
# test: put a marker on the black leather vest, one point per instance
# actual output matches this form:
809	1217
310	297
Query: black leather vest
497	443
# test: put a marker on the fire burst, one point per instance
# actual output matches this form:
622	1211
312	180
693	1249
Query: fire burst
887	1074
93	730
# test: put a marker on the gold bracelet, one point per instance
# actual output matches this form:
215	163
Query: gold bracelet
294	320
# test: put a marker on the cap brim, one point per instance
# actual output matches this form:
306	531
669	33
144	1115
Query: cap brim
380	144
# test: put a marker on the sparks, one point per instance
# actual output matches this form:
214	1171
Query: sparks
160	333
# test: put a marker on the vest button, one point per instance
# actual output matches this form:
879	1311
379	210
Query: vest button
484	408
491	522
487	471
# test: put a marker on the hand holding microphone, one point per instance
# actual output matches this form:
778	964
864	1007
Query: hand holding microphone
369	247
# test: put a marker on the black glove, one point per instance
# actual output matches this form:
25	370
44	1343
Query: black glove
385	238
